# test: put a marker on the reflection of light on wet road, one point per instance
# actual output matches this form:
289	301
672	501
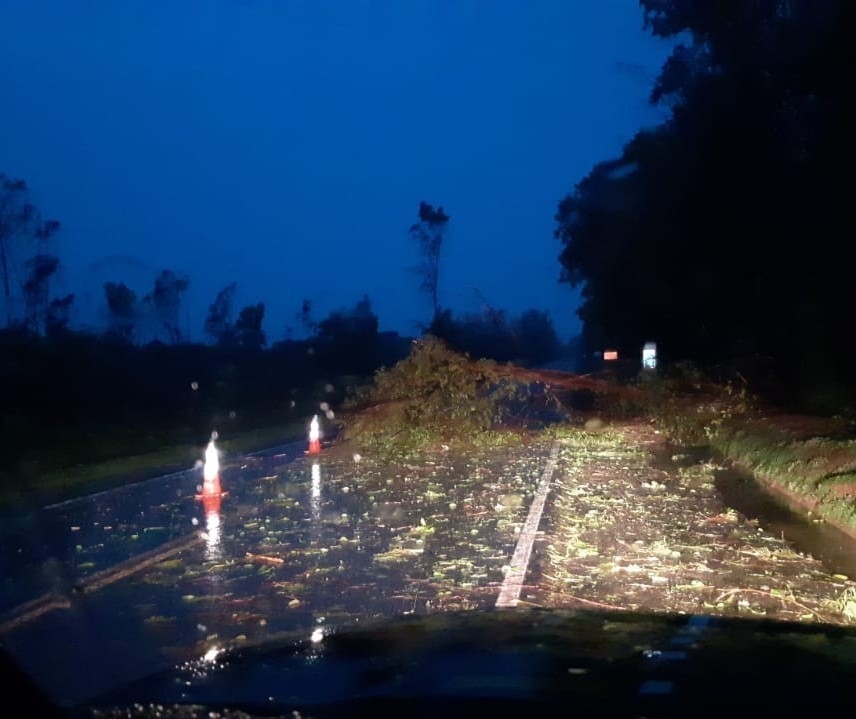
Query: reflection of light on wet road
213	534
315	500
212	654
317	648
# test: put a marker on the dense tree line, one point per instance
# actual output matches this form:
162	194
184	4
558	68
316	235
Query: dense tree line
529	339
724	233
72	395
75	397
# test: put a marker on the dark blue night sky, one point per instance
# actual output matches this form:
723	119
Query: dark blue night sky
286	144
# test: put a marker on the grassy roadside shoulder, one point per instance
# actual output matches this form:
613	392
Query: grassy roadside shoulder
62	484
808	462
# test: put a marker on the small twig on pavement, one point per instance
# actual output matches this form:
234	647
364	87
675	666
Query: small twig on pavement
264	559
730	592
590	602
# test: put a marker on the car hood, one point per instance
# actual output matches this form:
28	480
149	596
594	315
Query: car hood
504	662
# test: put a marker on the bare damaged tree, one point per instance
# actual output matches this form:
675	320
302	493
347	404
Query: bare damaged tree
218	325
37	290
429	232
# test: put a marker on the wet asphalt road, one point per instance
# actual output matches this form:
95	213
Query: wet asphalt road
297	544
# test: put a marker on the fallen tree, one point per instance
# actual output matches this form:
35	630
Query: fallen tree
437	397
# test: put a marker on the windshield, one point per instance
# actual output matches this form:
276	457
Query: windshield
316	316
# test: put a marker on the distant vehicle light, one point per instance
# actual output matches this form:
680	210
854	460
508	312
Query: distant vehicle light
610	355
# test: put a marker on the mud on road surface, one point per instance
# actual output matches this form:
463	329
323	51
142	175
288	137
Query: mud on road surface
625	531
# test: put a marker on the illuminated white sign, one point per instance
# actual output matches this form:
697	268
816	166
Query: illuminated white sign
649	355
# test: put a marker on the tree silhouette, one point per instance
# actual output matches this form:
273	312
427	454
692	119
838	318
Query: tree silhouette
723	233
121	309
22	229
429	233
304	317
58	315
166	301
218	324
36	290
528	339
348	338
248	327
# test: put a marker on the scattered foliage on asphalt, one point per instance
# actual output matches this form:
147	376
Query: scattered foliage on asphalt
630	535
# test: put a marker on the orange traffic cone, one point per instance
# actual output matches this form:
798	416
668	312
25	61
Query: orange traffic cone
212	503
211	487
314	437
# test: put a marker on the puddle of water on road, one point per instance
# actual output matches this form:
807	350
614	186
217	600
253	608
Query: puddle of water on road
739	490
832	547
